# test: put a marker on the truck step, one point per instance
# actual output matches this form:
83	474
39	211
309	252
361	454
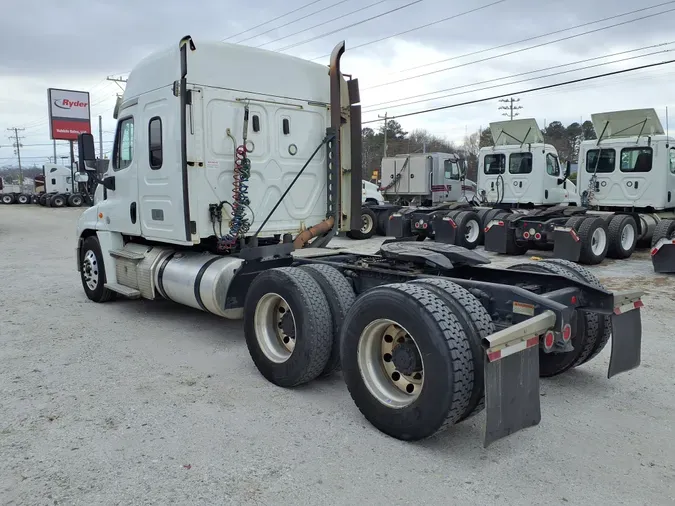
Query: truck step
126	254
130	293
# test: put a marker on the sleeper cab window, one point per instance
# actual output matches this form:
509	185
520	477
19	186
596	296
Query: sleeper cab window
155	143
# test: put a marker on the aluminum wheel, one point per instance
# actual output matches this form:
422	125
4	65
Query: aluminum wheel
90	270
472	231
7	199
390	363
366	223
627	237
598	241
275	327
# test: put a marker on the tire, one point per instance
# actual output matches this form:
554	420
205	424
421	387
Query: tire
310	324
7	198
593	229
23	199
340	297
74	200
604	321
58	200
575	222
447	376
490	215
477	324
584	333
665	229
42	199
622	233
92	259
469	232
369	221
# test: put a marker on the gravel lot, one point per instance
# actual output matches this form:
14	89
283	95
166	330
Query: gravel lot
148	402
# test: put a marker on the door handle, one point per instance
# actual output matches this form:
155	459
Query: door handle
597	186
520	185
109	183
132	212
636	185
492	185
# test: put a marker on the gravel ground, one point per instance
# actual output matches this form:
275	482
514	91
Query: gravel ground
148	402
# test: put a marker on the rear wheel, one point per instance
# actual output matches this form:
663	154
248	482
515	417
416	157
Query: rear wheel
584	332
42	200
287	325
367	230
8	198
23	199
469	231
406	361
665	229
58	201
74	200
622	231
340	297
594	244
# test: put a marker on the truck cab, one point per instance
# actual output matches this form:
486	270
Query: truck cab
520	169
57	179
422	178
630	165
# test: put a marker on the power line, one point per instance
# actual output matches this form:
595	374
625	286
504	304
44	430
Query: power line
271	20
416	28
389	105
521	49
349	26
325	22
291	23
523	92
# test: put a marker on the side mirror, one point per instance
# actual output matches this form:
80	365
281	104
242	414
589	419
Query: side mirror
81	178
568	169
85	148
118	104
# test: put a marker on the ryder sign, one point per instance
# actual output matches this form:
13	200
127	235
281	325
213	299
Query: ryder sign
69	113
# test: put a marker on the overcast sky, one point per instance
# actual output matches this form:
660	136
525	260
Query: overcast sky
77	46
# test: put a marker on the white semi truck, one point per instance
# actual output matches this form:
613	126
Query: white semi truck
626	180
56	188
231	171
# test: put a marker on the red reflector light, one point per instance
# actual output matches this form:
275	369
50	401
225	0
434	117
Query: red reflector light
537	236
638	304
549	338
500	223
574	299
417	225
655	251
424	225
526	235
567	332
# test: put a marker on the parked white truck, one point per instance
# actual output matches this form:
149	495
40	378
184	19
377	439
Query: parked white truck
55	188
231	170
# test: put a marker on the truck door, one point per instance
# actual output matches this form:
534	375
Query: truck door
160	171
120	205
554	193
600	163
450	187
635	165
519	179
494	166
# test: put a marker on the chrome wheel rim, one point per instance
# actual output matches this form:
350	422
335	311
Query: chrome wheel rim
274	325
90	270
393	375
472	231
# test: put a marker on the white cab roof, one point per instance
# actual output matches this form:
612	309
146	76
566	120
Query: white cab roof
234	67
627	123
516	132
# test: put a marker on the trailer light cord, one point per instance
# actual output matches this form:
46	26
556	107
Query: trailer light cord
325	140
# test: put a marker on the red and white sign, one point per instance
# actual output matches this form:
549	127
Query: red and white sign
69	113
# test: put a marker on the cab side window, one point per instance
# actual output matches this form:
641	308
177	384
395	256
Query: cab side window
636	160
672	160
124	144
451	169
494	164
520	163
552	165
155	143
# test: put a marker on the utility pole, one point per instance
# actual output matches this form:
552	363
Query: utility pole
54	141
17	150
510	108
385	132
100	136
117	81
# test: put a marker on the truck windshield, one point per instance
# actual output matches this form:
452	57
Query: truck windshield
451	169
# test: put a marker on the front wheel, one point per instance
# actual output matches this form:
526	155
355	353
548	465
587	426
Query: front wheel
92	271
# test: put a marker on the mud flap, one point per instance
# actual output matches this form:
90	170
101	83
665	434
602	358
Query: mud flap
512	377
398	226
663	256
626	333
445	229
566	244
496	236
